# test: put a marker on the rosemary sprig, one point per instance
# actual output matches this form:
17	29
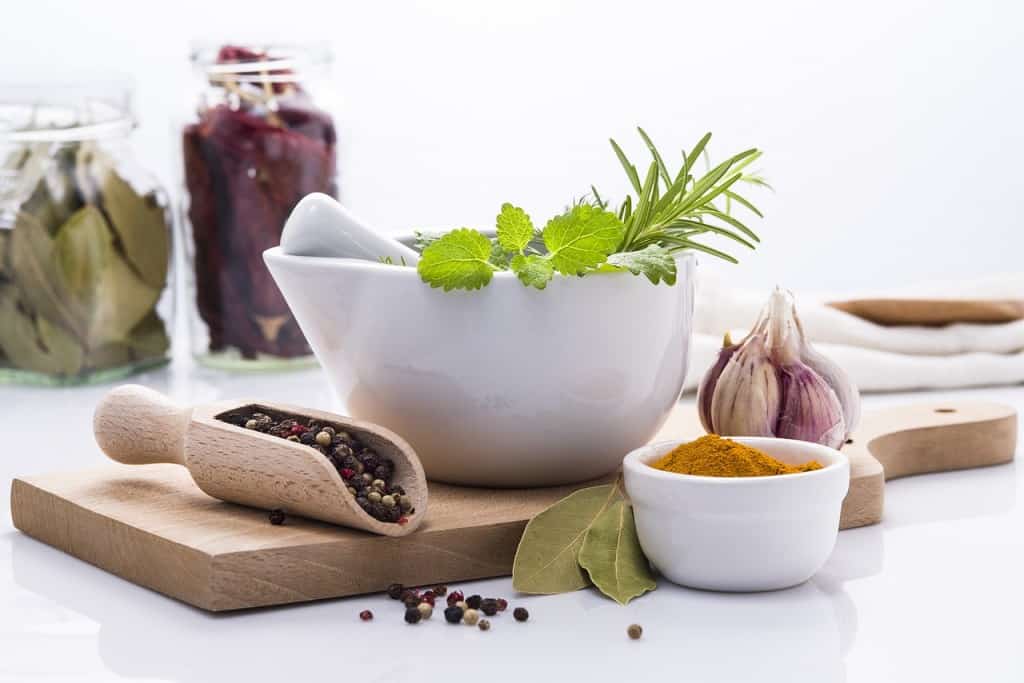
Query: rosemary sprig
673	210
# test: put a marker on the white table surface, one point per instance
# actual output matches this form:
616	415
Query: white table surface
934	593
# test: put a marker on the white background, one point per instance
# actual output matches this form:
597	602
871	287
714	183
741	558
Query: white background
892	131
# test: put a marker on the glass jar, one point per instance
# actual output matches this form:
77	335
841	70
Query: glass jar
261	137
85	239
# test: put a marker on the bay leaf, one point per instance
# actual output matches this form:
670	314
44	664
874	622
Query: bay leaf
44	186
149	338
546	560
36	345
106	294
146	341
612	556
110	355
42	284
83	248
141	224
63	349
5	252
122	300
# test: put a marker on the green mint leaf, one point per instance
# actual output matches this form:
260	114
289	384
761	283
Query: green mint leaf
499	257
533	271
457	260
582	238
515	229
654	261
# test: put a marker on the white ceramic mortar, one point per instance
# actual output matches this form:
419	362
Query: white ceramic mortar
503	386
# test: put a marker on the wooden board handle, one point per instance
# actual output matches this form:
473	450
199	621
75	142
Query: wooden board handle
138	426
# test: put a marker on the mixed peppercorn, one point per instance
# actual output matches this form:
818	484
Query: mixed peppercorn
367	474
419	605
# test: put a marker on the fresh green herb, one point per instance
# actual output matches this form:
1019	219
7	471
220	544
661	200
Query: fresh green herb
533	270
665	216
515	229
458	260
654	261
672	210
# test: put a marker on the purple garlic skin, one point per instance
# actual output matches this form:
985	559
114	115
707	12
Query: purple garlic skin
773	383
809	410
706	391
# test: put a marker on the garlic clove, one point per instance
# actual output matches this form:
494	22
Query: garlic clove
809	409
745	400
706	391
837	379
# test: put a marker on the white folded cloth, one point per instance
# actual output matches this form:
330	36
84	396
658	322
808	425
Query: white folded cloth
878	357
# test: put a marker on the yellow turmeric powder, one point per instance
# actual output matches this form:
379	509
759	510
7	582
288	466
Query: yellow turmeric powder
713	456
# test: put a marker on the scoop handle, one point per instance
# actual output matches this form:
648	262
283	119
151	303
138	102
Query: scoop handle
135	425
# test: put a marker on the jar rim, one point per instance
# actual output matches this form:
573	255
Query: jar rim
293	57
65	111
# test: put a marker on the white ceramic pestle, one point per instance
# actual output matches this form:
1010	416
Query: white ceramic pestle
320	226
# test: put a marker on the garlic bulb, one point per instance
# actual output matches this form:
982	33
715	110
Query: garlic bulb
773	383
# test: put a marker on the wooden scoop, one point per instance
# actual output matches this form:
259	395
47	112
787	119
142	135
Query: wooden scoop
138	426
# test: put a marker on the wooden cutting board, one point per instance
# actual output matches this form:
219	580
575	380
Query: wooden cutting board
933	311
152	525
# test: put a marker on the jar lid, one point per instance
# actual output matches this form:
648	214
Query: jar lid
65	111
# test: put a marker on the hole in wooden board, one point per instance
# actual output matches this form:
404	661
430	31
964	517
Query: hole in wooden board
945	410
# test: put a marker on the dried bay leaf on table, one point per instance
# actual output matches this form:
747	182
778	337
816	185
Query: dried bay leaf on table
612	556
546	560
140	223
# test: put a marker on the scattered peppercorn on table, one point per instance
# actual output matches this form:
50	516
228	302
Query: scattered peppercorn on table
841	624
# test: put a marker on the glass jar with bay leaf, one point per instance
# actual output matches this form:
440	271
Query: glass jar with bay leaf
260	138
85	239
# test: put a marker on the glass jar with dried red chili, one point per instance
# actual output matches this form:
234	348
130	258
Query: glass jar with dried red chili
262	137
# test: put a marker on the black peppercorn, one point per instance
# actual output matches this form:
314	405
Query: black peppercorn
370	460
474	601
484	625
520	614
277	517
411	600
489	607
412	615
634	631
440	591
366	615
453	615
395	591
367	475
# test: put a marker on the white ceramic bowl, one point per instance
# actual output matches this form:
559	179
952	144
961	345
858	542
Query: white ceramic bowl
739	533
503	386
